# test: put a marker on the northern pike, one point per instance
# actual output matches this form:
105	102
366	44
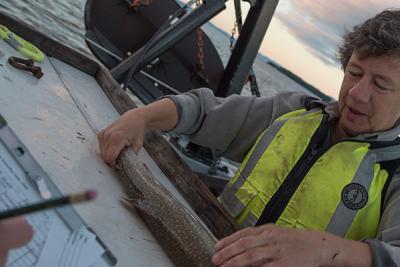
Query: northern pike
186	241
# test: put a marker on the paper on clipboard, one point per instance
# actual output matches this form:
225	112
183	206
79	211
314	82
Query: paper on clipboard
78	248
16	191
54	242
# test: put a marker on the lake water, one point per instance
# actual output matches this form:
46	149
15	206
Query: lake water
61	19
64	21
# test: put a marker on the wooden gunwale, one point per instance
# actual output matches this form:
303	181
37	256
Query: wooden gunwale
195	192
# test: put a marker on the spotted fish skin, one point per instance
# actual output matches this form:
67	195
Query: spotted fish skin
184	238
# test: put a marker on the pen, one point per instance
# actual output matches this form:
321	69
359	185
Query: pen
48	204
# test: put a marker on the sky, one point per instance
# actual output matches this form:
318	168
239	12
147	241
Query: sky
303	35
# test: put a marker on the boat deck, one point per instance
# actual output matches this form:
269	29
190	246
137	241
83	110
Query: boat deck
57	118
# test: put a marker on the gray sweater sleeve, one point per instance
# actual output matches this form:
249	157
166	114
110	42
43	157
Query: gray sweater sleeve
386	247
231	125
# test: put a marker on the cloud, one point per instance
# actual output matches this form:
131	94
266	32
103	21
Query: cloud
319	24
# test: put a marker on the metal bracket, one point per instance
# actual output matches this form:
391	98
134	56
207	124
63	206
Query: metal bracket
25	159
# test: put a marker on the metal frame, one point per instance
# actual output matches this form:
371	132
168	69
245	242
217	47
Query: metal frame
243	54
246	48
171	36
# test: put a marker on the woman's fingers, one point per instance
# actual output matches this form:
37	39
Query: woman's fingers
236	236
14	233
128	130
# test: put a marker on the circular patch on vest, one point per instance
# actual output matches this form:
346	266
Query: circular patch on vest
354	196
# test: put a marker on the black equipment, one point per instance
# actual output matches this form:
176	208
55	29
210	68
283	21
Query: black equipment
156	47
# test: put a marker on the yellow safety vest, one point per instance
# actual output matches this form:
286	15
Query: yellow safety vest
283	181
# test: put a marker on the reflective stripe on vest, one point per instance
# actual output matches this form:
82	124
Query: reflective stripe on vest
331	195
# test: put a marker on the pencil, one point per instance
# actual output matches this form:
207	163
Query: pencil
49	204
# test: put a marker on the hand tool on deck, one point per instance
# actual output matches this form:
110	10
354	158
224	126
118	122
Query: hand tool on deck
24	47
27	65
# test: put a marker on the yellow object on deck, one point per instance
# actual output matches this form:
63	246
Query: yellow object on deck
24	47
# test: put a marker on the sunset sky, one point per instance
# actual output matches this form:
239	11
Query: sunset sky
304	34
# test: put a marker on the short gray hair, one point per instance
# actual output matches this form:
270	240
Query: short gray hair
377	36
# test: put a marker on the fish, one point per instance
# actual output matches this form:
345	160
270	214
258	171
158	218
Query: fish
184	238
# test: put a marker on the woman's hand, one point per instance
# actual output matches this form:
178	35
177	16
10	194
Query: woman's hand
271	245
14	233
128	130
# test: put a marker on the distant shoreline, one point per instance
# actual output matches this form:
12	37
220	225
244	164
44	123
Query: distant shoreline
283	70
